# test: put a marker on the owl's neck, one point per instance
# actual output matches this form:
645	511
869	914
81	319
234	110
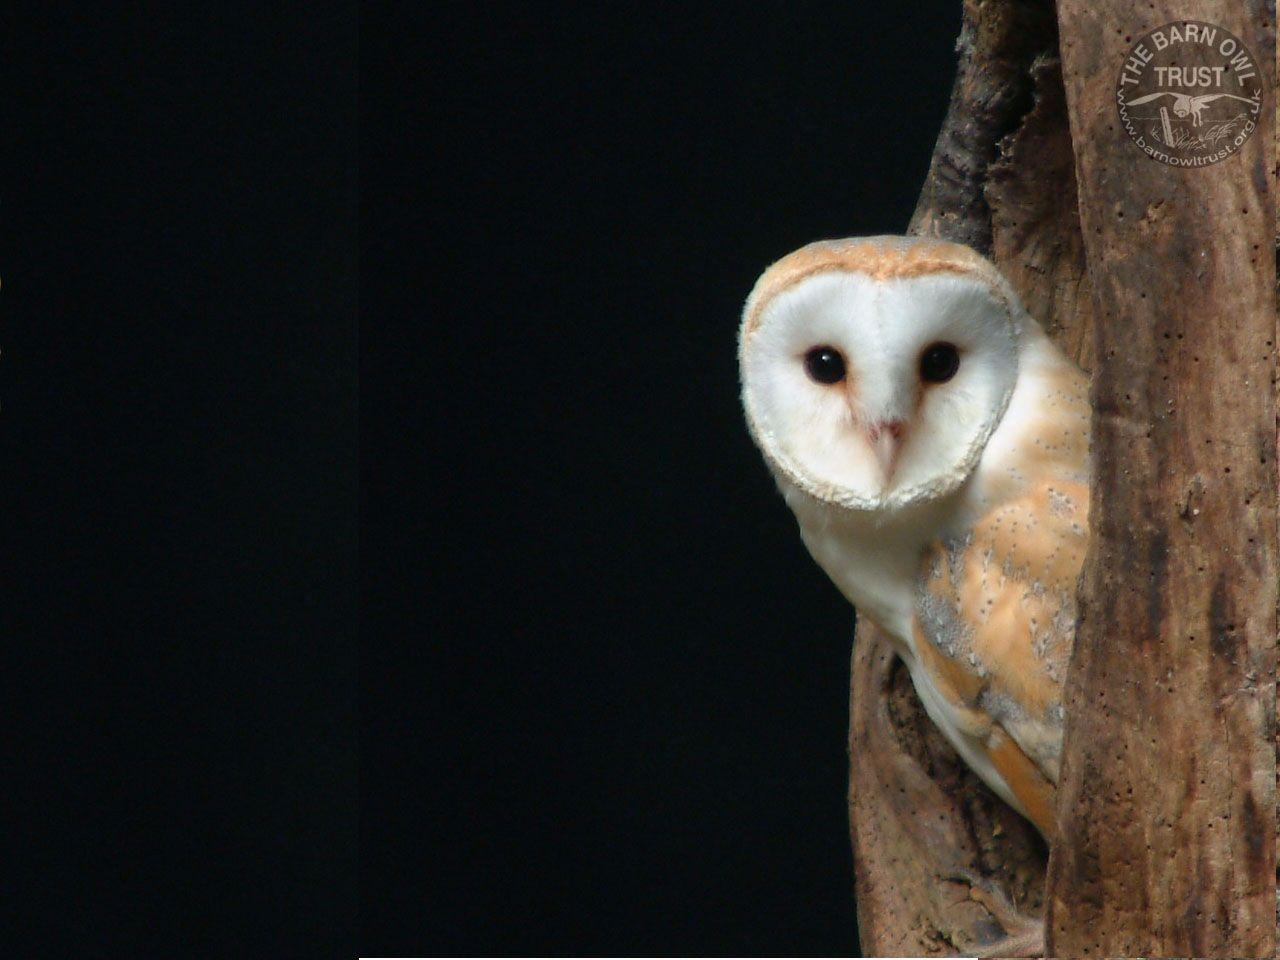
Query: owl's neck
873	557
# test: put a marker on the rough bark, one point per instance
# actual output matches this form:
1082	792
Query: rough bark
1002	181
1167	795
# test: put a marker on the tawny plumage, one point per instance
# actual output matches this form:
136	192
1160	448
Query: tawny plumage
933	445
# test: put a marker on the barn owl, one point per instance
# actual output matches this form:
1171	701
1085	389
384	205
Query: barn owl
933	444
1186	105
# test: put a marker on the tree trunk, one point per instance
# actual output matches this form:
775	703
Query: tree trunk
1167	795
1003	179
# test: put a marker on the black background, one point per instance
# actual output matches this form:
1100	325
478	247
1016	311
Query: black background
601	687
612	716
179	451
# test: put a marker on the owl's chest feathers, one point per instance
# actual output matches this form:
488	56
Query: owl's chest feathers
874	560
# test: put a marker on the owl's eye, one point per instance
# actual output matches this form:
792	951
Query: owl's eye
939	362
824	365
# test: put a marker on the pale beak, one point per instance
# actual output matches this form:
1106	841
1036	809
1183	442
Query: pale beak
886	442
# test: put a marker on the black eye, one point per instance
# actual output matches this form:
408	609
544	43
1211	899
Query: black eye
824	364
939	362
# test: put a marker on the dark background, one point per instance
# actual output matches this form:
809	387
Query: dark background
179	466
604	688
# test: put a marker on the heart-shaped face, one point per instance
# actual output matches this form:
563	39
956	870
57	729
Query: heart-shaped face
874	370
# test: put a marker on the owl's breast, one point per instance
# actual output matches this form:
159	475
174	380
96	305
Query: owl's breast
877	578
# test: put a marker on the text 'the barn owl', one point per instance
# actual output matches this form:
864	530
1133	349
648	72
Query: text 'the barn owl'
933	444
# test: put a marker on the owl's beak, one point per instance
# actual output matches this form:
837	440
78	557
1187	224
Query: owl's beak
886	442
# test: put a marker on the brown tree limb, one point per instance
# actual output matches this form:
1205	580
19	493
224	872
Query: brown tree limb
1167	794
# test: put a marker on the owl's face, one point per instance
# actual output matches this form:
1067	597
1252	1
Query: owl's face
873	371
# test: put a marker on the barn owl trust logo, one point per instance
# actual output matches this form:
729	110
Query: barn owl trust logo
1189	94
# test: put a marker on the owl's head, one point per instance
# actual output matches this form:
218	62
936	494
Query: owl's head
874	369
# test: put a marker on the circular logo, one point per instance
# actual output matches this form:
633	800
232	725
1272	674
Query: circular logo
1189	94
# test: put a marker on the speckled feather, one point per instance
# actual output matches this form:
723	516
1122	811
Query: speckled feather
995	616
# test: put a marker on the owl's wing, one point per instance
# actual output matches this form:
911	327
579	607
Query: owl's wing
1149	97
995	621
1210	97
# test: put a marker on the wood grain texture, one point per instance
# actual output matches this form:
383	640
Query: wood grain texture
1167	796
